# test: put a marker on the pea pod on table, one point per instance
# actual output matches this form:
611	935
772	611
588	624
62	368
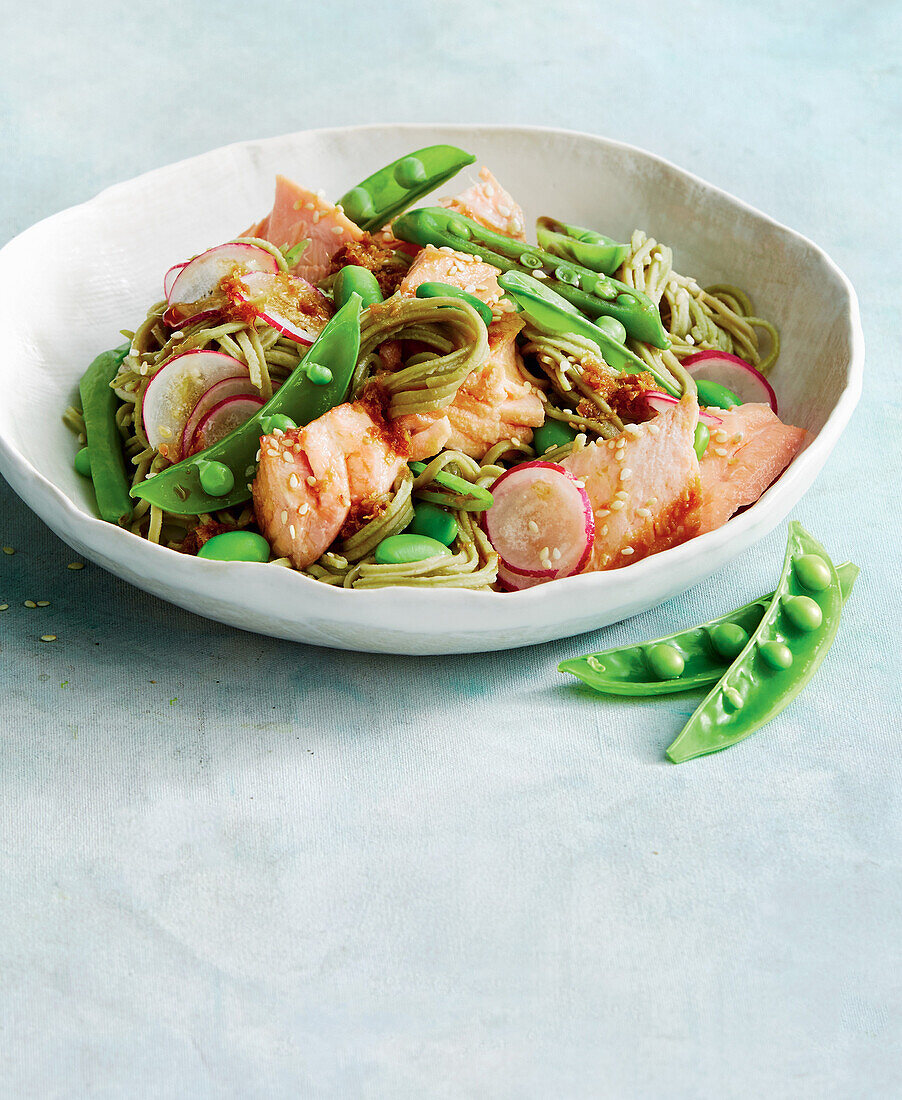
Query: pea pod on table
686	659
106	459
593	294
583	246
318	383
386	193
780	657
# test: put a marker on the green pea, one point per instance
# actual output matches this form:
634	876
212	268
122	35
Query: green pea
729	640
612	327
274	421
700	440
409	172
665	661
353	279
812	571
402	549
433	522
319	375
83	463
714	395
358	204
215	478
803	612
445	290
553	433
235	546
776	654
459	228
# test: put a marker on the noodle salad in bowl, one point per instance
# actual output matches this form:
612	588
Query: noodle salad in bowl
375	393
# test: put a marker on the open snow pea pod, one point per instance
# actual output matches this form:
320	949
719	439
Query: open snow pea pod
386	193
318	383
583	246
703	653
780	657
555	314
106	458
353	279
593	294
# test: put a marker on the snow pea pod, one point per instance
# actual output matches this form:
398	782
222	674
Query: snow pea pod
386	193
582	246
356	280
593	294
318	383
476	498
445	290
782	653
701	654
106	458
552	312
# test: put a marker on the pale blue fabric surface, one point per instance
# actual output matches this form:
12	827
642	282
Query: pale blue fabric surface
236	867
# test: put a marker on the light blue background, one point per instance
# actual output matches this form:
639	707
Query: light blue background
236	867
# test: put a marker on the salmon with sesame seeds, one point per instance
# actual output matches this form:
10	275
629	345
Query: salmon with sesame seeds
643	486
300	215
444	265
489	204
495	402
310	479
746	453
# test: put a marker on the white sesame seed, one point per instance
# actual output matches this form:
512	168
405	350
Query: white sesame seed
533	526
284	516
311	480
257	455
538	273
291	531
504	211
309	205
655	429
643	512
720	436
617	505
338	230
303	510
604	531
294	481
626	473
722	451
621	494
688	338
602	512
556	554
316	216
627	550
632	429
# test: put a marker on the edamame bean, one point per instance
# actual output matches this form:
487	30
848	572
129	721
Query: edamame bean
403	549
236	546
433	522
553	433
356	280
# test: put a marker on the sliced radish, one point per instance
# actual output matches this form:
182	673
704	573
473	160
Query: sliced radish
224	418
661	402
287	302
174	317
541	522
739	377
171	275
175	389
198	281
239	386
516	582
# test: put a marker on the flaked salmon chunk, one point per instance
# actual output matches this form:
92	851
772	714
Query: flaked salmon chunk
301	215
489	204
496	402
643	486
309	479
745	454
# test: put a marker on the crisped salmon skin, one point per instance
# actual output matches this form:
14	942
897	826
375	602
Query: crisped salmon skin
643	486
300	215
745	454
310	478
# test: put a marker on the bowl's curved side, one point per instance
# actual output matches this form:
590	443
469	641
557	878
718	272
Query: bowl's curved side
281	602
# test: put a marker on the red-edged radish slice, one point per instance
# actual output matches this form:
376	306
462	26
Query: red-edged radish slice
661	402
287	302
174	317
516	582
739	377
175	389
541	522
222	419
238	386
171	275
199	279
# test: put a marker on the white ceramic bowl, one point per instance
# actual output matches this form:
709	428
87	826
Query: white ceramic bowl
68	284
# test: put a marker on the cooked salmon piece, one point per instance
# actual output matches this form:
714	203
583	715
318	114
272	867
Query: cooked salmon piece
643	485
300	215
746	454
460	269
309	479
489	204
496	402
